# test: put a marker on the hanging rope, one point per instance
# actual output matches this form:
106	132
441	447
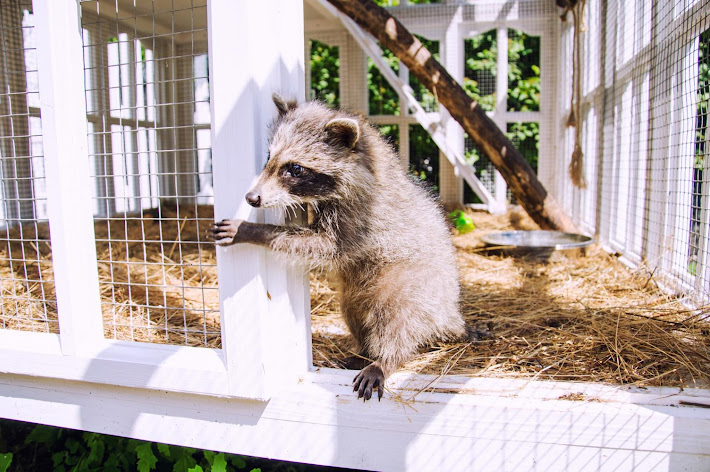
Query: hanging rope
576	166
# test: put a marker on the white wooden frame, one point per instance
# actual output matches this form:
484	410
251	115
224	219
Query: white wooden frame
262	301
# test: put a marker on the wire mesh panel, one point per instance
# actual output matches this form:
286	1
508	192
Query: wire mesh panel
27	296
383	99
644	70
147	86
423	157
425	97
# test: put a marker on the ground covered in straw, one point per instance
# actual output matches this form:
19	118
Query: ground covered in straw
572	316
566	317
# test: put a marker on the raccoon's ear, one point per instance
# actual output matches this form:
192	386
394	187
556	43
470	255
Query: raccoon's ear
343	131
283	106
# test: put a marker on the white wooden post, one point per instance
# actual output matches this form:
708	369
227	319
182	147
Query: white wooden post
682	154
451	54
500	189
551	79
658	143
61	90
353	71
265	330
402	123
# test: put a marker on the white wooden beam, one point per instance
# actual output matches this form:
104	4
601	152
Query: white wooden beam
61	88
265	323
533	426
500	188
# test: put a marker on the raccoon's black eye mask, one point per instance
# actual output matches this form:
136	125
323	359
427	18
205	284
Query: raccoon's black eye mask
303	181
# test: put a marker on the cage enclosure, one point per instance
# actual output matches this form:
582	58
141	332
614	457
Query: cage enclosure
121	144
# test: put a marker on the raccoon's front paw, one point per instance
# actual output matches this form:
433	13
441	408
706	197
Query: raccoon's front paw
369	379
224	232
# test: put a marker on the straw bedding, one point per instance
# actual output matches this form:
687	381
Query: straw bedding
582	317
570	317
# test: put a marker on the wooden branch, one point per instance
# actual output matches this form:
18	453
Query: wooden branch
522	181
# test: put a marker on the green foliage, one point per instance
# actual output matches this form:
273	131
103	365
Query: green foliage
37	447
526	137
325	73
523	71
391	134
146	458
481	55
481	68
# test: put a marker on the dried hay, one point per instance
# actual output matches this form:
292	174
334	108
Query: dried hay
157	282
572	317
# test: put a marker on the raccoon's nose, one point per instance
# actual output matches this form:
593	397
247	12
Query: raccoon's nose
254	199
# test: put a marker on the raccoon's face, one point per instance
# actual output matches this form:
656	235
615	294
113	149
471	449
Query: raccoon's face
303	165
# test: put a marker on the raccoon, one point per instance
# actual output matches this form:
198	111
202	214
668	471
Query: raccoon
374	228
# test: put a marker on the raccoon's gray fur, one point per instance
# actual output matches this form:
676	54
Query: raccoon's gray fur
375	229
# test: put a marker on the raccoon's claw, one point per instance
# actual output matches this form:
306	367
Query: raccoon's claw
223	232
368	379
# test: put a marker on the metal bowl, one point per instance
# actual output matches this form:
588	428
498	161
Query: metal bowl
531	240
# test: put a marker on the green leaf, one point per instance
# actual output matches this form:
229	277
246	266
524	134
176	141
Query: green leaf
164	449
255	470
72	444
43	435
185	462
146	458
219	464
58	459
96	448
238	462
197	468
5	461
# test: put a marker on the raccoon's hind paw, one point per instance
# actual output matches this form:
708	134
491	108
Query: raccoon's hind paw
367	380
223	232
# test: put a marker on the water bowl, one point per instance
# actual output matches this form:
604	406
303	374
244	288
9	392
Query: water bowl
537	240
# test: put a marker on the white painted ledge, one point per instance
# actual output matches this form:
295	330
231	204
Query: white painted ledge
129	364
496	424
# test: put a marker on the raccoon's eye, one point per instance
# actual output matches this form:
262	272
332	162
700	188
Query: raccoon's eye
294	170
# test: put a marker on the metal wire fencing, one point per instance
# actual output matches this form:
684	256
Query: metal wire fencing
27	297
147	88
644	102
